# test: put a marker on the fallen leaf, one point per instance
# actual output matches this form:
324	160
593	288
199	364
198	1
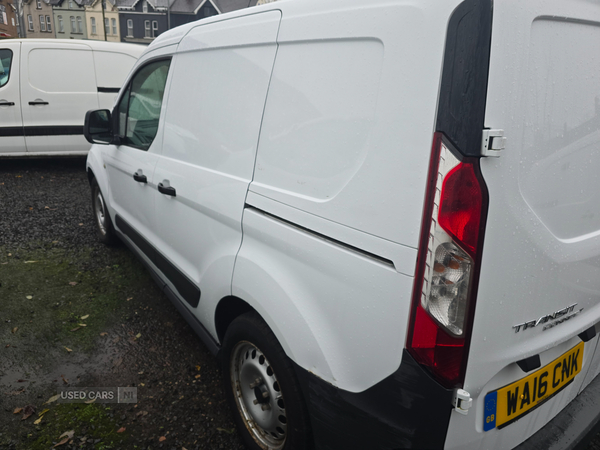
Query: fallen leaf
139	335
46	207
52	399
120	430
43	412
30	262
75	329
17	410
28	411
73	283
230	431
142	384
82	324
198	368
65	380
7	345
63	442
197	376
68	349
68	434
21	381
29	297
161	439
104	333
90	401
129	298
85	317
37	422
14	330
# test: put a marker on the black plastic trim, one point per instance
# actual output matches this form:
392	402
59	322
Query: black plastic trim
463	88
531	363
185	287
588	334
114	90
42	131
210	342
408	409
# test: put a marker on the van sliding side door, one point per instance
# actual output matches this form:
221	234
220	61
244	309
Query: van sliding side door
58	88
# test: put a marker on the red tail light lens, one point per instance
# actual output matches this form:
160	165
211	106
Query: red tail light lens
447	266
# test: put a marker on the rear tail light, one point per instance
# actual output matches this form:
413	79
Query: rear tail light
448	263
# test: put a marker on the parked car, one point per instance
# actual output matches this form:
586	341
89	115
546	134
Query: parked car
46	87
382	216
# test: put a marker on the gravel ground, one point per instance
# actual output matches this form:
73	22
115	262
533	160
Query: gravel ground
46	204
45	208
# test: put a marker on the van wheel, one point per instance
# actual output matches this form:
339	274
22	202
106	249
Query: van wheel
106	232
262	388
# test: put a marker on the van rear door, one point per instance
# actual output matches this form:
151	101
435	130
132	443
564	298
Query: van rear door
539	286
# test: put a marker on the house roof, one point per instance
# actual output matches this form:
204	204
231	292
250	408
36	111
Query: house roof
225	6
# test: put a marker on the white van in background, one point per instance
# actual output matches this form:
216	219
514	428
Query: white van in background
47	86
383	216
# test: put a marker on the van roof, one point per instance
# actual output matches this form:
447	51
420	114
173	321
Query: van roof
122	47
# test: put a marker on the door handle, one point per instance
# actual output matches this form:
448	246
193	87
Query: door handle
7	103
167	190
140	178
39	102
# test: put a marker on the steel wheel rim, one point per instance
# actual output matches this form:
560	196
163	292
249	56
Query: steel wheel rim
258	396
100	212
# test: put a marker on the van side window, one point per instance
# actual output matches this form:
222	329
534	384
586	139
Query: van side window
139	108
5	60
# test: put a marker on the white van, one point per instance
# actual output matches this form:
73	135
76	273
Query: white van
46	87
383	216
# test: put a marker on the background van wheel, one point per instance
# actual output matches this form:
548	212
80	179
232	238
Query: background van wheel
262	389
104	226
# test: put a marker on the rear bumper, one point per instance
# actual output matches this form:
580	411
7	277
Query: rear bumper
574	427
409	409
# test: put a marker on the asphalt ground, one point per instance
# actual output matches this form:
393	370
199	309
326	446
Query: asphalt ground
75	313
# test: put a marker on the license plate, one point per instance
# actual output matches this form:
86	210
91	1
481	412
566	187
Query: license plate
511	402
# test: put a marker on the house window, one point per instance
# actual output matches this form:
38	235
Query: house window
61	25
93	24
71	5
106	27
48	24
145	6
73	29
79	25
30	22
154	28
147	29
39	4
42	23
114	26
129	28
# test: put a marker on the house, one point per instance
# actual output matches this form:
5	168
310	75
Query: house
103	25
143	20
8	21
38	19
69	18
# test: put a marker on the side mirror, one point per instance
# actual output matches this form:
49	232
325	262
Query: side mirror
97	127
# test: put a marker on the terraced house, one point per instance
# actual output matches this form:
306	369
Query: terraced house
69	18
8	23
103	25
38	19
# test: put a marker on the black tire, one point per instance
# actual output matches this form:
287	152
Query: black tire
104	226
253	363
